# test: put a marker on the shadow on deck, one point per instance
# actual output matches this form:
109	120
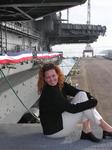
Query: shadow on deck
30	137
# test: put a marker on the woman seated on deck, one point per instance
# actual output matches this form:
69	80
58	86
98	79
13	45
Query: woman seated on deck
58	115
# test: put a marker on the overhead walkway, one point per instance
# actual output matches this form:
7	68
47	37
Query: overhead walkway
76	33
17	10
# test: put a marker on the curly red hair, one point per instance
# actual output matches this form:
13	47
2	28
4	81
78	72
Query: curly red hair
47	67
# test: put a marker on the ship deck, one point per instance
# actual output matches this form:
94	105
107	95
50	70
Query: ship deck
30	137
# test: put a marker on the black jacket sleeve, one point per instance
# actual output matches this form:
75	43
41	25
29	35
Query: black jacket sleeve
62	104
79	107
90	97
70	90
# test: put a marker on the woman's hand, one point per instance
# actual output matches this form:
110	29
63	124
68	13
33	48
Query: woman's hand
92	99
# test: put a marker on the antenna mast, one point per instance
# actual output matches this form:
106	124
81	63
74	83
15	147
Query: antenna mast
67	15
88	12
88	47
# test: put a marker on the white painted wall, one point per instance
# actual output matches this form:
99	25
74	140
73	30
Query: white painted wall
11	110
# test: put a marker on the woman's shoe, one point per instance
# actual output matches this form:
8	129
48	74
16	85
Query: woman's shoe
89	136
107	134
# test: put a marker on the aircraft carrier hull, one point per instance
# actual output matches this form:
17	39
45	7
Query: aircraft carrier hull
24	86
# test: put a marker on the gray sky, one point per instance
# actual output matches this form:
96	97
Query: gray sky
101	11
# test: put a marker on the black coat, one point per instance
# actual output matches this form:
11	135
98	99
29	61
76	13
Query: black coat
53	102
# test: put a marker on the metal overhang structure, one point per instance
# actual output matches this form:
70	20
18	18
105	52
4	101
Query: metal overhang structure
20	10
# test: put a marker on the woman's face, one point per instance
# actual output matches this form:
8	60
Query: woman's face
51	77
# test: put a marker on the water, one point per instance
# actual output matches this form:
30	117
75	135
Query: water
67	65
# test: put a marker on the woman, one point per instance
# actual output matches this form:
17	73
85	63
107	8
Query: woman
58	115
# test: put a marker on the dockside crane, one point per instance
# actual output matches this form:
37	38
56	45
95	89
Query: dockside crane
88	47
